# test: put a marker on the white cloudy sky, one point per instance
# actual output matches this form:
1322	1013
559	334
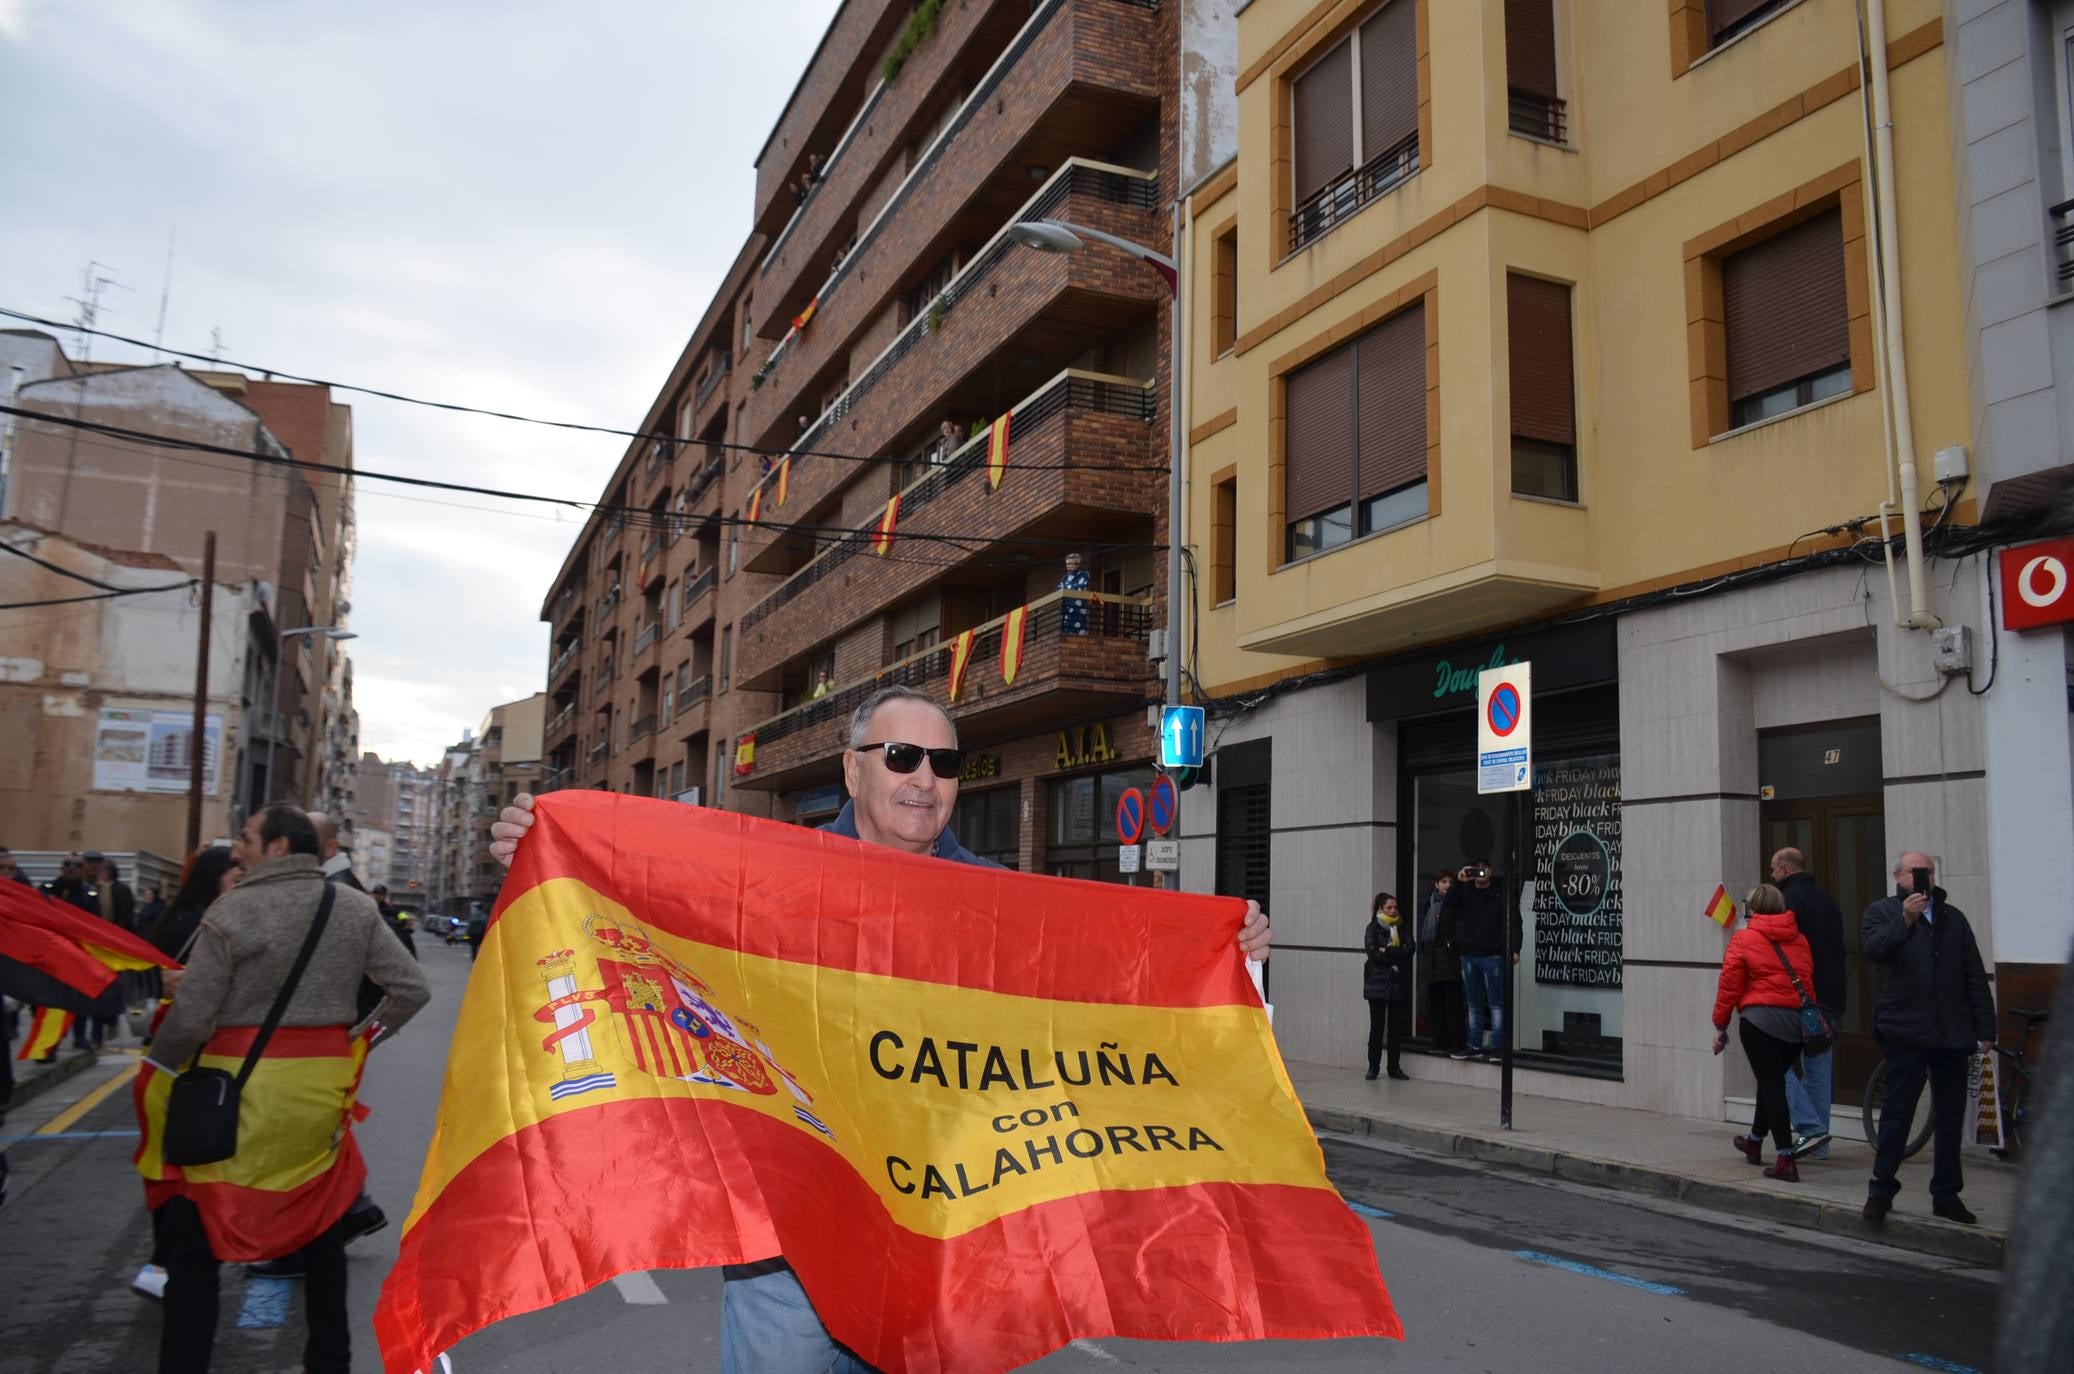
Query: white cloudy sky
522	206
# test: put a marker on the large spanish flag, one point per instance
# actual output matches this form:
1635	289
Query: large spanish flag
981	1113
54	955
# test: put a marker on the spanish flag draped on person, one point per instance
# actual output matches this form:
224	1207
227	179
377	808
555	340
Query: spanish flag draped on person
979	1114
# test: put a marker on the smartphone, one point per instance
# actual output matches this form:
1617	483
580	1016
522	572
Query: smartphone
1921	877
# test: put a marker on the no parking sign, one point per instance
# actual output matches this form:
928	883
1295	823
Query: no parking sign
1504	729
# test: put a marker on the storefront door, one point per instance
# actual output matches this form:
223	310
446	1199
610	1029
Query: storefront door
1845	841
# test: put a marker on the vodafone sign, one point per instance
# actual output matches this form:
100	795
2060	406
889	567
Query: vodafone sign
2038	584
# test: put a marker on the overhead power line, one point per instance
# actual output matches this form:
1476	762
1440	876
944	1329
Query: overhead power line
108	587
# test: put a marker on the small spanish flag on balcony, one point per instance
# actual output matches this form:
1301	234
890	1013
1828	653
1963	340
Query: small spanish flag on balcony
997	452
46	1032
745	755
784	479
961	659
756	504
882	542
1721	908
805	317
1012	627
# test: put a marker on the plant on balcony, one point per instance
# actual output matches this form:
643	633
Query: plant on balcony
920	25
762	372
938	308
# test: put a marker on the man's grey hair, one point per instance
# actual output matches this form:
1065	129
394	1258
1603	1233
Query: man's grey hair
860	719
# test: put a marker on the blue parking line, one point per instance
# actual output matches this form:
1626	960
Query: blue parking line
266	1302
1367	1211
69	1135
1934	1362
1536	1257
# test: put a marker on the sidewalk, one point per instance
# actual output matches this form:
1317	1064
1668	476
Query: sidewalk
31	1078
1665	1156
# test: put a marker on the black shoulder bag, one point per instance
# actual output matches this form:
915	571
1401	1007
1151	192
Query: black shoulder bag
1817	1033
202	1110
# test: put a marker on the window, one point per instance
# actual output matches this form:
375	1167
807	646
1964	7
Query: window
1355	449
989	823
1224	291
1075	843
1224	525
1728	19
727	644
672	607
1786	317
1544	407
734	552
916	627
1356	116
1530	70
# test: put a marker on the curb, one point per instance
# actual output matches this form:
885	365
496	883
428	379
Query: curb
48	1077
1971	1244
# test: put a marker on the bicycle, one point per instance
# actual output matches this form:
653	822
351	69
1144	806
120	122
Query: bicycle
2015	1088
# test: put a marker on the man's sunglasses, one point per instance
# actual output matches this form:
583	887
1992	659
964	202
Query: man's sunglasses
906	758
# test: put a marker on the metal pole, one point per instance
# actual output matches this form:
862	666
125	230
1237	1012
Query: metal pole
1175	318
1505	966
273	719
201	699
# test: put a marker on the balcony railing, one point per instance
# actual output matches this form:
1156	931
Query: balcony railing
1078	176
659	451
605	674
653	547
1107	617
562	719
698	586
2063	245
645	637
641	729
718	375
1537	116
1069	390
564	659
694	692
597	751
707	475
1340	199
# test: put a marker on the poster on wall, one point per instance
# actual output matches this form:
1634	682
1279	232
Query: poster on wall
1577	894
137	750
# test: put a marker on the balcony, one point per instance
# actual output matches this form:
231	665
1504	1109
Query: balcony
1337	201
1071	81
563	723
645	637
562	661
1063	678
1074	413
641	729
1008	305
694	692
1536	116
714	379
659	453
603	677
2062	247
707	476
837	79
598	751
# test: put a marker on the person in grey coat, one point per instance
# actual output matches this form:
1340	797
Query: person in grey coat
1386	979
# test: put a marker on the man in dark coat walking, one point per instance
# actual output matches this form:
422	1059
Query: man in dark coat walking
1934	1011
1822	922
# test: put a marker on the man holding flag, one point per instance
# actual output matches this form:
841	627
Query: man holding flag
902	768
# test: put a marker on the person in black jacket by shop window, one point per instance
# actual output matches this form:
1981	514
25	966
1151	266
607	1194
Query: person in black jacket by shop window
1472	923
1389	943
1934	1011
1822	922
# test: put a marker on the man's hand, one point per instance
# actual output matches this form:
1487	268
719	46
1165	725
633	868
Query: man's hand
1913	906
169	980
510	827
1987	1047
1254	935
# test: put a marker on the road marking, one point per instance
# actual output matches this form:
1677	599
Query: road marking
266	1303
1090	1348
64	1120
68	1135
1367	1211
639	1288
1536	1257
1934	1362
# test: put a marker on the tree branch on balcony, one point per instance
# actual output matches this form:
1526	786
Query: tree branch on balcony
920	25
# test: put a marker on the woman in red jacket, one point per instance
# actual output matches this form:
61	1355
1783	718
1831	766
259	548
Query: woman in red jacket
1754	981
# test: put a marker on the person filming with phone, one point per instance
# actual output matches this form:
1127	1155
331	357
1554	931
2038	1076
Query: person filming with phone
1933	1012
1472	924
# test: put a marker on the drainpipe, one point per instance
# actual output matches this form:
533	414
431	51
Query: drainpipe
1872	53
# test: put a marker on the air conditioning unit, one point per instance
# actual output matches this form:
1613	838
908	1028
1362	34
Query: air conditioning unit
1156	643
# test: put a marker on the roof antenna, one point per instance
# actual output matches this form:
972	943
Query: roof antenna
165	292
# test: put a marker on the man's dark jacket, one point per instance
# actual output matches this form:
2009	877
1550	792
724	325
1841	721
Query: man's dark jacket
1472	919
947	846
79	894
1933	987
1822	921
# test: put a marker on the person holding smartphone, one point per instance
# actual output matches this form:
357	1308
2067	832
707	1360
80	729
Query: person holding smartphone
1472	924
1934	1011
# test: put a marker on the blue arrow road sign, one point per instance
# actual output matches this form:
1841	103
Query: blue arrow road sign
1181	737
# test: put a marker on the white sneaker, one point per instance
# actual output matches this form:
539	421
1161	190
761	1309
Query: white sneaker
1460	1054
151	1282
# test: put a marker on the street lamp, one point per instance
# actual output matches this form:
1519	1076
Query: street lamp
1059	236
273	722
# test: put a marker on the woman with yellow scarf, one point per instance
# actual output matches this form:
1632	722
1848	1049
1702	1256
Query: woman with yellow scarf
1389	943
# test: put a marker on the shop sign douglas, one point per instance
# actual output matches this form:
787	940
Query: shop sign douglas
1577	889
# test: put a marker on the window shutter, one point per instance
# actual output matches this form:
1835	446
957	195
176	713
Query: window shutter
1726	14
1530	62
1324	100
1544	403
1389	78
1392	367
1785	308
1319	474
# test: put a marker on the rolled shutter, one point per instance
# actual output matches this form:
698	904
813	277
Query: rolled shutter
1530	61
1544	402
1319	471
1391	361
1324	100
1726	14
1786	312
1389	78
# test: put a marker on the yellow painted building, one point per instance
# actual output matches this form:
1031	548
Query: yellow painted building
1549	331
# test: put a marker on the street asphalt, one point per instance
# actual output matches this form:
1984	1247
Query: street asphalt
1490	1270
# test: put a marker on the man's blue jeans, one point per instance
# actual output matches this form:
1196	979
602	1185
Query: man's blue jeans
1807	1097
1485	994
767	1326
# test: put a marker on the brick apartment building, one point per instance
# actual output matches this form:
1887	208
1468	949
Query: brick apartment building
877	322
